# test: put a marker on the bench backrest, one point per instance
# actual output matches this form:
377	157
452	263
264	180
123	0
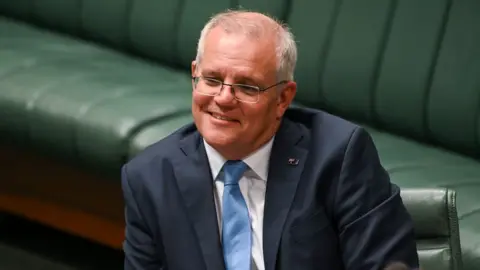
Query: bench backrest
410	67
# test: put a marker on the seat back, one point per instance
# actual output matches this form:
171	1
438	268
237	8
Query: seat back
166	31
17	9
196	13
434	214
61	15
410	67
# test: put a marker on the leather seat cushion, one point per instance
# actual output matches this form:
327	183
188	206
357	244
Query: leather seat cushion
415	165
80	101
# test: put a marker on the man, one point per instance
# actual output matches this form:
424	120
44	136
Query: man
255	185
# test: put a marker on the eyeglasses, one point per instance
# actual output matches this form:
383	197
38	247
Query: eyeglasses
241	92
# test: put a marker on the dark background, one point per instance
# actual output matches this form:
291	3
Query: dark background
26	245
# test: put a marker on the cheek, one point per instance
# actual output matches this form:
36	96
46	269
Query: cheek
260	116
199	100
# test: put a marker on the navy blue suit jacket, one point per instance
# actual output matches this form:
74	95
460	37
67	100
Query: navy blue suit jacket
336	209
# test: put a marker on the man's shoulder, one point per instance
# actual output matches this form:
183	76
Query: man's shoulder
163	148
320	123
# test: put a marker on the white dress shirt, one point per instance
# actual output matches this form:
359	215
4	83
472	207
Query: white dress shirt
253	185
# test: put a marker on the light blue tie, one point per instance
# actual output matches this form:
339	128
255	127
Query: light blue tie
236	231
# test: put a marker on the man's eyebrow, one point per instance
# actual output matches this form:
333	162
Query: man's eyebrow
252	80
239	78
209	72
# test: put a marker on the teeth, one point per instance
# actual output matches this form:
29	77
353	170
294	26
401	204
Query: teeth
221	117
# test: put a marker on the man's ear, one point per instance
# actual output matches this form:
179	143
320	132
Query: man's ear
194	67
285	98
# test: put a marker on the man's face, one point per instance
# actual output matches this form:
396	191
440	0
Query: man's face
229	124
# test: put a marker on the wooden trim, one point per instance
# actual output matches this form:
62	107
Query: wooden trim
61	196
95	228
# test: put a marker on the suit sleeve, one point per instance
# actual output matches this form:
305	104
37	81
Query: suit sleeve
139	246
374	226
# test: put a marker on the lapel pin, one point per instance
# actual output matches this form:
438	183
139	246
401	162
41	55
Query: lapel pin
293	161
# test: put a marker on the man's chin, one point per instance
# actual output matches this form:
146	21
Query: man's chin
216	139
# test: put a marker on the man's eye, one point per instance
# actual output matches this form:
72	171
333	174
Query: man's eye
249	90
212	82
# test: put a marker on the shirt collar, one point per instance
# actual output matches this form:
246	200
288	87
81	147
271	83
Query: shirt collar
257	161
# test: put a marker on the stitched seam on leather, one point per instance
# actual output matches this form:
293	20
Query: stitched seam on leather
147	122
25	66
454	229
285	13
372	112
431	75
176	60
322	101
86	108
234	4
127	20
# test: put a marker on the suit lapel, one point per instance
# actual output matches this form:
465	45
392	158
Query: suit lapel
196	186
286	165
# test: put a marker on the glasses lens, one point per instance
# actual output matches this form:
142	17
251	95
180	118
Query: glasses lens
207	86
212	87
246	93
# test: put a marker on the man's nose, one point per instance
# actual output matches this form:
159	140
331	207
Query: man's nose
226	95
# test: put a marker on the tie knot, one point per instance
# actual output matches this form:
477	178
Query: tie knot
233	170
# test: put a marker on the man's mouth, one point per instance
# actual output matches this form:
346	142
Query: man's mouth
221	117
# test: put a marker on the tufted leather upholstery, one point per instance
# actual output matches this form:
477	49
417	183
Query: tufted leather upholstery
435	219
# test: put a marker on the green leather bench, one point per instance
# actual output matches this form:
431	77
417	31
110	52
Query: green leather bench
90	83
434	214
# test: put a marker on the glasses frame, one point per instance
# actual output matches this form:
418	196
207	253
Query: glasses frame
232	87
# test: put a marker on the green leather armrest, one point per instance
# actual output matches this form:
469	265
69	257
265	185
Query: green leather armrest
434	214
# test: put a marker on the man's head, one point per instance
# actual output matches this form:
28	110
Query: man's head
257	52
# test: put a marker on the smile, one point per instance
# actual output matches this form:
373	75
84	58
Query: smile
221	117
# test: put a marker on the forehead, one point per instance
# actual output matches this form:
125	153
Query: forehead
238	54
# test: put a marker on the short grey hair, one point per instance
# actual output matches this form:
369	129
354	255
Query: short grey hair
236	22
